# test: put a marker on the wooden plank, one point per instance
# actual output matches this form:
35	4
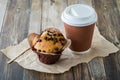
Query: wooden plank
88	2
108	23
109	19
51	13
85	72
35	17
105	23
15	29
81	72
112	66
118	4
3	5
97	71
35	26
33	75
77	72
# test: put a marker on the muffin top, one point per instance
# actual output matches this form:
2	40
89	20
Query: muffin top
50	41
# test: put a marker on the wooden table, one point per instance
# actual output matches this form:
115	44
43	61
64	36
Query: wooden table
18	18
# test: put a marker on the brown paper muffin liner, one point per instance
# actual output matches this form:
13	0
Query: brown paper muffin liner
48	58
52	57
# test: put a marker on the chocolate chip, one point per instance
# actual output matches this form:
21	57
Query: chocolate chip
55	40
60	35
39	40
49	34
43	51
39	50
62	44
60	39
46	38
51	38
54	34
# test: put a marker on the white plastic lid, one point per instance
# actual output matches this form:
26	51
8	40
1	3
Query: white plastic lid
79	15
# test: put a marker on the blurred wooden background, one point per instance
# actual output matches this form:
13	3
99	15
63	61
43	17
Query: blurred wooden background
18	18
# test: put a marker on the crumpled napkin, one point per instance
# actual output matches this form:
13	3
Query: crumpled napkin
29	60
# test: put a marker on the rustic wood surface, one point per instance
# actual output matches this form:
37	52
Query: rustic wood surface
3	4
18	18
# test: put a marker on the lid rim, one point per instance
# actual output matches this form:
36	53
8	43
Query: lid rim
69	8
79	21
79	24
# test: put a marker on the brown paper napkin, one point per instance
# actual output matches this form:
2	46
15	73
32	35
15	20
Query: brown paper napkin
29	60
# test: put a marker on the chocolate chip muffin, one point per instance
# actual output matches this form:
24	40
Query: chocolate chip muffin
50	41
48	45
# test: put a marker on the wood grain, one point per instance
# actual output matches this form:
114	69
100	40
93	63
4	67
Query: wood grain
112	66
51	13
14	30
34	26
81	72
23	17
35	17
3	5
108	24
88	2
108	20
97	71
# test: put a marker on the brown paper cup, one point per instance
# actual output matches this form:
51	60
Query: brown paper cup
79	21
81	37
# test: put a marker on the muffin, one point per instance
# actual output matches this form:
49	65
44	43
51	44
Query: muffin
48	45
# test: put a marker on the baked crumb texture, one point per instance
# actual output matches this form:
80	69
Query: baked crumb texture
50	41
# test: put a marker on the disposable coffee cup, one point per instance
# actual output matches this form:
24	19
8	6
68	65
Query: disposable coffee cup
79	22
